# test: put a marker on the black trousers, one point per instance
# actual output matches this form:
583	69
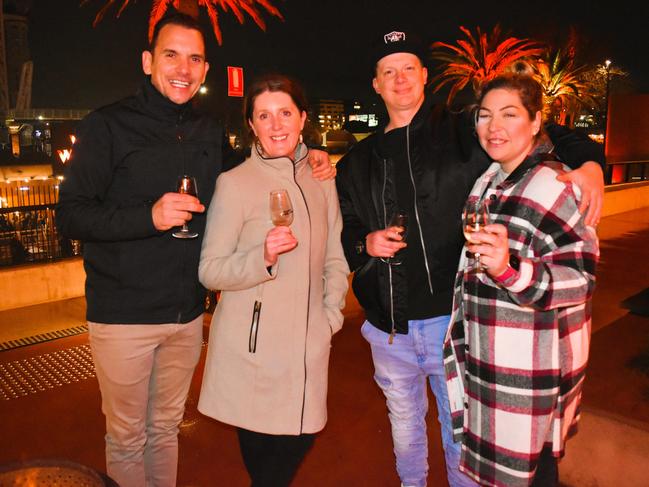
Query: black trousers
547	471
272	460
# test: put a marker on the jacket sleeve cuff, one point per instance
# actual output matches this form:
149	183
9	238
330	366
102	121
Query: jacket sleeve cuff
508	276
517	281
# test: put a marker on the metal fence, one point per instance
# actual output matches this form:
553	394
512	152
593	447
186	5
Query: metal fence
27	229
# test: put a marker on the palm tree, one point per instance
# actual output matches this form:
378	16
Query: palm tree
190	7
478	59
564	89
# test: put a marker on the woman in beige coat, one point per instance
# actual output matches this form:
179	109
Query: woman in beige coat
283	289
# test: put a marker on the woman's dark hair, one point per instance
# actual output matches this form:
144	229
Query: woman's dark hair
273	82
521	81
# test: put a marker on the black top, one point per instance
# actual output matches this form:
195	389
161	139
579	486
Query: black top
421	303
127	155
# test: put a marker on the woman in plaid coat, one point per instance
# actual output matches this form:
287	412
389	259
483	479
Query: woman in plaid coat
517	348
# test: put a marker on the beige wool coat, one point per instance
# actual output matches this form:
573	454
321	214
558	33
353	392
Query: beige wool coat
276	382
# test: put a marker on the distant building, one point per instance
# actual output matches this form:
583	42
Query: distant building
328	114
362	120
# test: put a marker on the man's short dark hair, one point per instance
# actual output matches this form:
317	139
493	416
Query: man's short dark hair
179	19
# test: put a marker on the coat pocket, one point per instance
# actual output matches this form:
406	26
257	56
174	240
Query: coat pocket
366	285
254	327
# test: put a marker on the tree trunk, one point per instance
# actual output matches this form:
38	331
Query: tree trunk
189	7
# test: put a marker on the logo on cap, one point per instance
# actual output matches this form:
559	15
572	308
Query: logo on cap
394	36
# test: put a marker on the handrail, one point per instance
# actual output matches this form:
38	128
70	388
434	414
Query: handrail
46	114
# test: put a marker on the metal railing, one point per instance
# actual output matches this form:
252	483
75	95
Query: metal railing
31	114
27	229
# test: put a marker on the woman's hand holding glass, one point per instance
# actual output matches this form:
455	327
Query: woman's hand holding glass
279	240
492	244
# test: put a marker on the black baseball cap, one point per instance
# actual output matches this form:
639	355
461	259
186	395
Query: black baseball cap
394	41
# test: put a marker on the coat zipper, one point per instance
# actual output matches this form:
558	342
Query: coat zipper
254	327
179	137
421	235
385	222
308	302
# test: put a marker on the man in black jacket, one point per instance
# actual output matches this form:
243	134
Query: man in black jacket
144	301
423	163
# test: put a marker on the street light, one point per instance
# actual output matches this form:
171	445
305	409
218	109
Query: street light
607	69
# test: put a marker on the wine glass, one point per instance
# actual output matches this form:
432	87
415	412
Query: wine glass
398	219
186	185
474	217
281	209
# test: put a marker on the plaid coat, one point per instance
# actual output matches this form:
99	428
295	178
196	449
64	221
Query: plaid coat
516	351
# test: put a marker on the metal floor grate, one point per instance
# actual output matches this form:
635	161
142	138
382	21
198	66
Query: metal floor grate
43	337
35	374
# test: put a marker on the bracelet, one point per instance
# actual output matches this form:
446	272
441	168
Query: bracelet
509	272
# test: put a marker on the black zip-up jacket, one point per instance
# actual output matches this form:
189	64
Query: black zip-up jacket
127	155
445	159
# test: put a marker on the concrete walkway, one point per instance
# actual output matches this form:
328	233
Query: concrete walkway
58	415
41	319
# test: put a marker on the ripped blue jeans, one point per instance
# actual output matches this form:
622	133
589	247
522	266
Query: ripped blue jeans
401	370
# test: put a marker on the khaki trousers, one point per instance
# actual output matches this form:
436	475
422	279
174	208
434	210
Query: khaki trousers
144	374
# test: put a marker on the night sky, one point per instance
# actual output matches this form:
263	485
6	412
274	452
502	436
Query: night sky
322	43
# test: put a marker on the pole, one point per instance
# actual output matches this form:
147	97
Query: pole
607	67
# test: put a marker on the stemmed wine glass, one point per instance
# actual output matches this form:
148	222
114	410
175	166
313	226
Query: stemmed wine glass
398	219
281	209
474	217
186	185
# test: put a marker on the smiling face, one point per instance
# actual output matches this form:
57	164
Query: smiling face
177	64
505	129
277	123
400	80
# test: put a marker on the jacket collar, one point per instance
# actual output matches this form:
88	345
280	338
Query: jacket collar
159	105
281	163
541	152
416	122
422	114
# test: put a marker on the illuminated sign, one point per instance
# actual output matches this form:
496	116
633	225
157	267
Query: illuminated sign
235	81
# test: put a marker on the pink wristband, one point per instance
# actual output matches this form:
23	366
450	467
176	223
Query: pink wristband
509	272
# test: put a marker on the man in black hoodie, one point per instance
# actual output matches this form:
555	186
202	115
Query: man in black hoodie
144	301
423	163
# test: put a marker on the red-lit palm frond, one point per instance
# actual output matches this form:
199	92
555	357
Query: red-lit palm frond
102	11
477	59
158	9
238	8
